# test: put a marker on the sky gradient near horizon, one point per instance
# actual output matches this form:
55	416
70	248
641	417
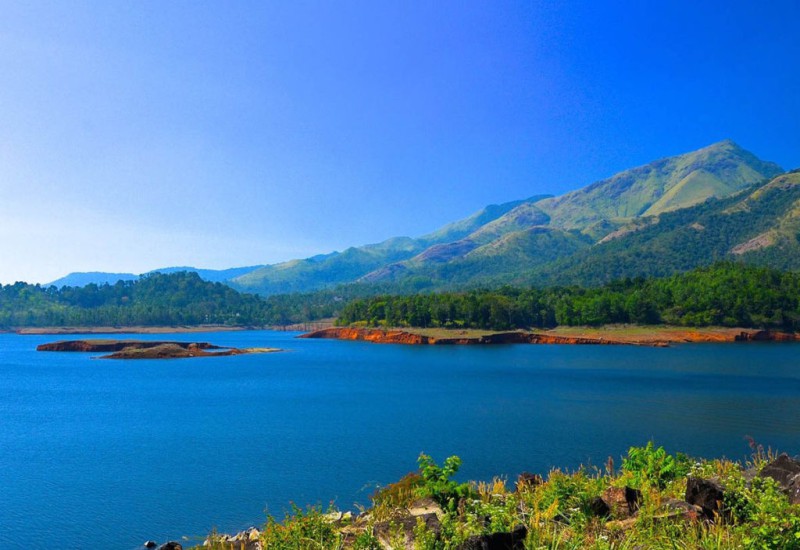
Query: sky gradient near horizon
138	135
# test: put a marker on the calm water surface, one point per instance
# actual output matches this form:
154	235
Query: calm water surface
112	453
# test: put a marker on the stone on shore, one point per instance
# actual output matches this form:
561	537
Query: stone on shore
786	472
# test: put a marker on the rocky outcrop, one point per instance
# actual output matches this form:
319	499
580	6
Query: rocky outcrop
658	337
397	336
249	539
139	349
369	335
399	533
116	345
622	502
786	472
708	495
766	336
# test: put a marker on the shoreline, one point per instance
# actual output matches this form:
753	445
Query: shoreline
128	330
631	335
163	329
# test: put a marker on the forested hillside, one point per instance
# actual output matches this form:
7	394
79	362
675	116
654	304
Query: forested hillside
725	294
495	245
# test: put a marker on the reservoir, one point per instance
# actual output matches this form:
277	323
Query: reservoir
101	453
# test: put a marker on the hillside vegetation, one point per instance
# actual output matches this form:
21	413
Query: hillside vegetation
725	294
653	500
536	235
158	299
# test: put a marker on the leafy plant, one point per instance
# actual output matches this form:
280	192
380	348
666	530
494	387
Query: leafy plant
437	483
654	466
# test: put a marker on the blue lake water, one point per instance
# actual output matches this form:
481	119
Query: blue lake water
112	453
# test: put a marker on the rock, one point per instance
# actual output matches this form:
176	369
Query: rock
424	506
350	533
599	508
623	502
338	517
150	544
708	495
171	545
786	472
633	498
673	508
146	349
527	479
515	540
399	533
243	540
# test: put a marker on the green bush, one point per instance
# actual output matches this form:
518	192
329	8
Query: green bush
652	465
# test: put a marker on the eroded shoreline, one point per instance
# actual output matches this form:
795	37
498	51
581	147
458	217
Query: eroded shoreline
612	335
142	349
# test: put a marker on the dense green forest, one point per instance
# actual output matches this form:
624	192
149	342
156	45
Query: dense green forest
724	294
156	299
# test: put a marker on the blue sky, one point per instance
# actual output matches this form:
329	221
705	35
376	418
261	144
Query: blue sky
136	135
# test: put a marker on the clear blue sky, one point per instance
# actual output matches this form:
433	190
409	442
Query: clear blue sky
136	135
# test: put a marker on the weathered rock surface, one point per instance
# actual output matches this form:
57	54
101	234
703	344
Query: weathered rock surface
659	338
623	502
708	495
425	506
599	508
171	545
397	336
243	540
143	349
527	479
115	345
515	540
673	508
785	471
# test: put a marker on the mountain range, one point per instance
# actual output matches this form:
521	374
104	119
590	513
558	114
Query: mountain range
99	277
673	214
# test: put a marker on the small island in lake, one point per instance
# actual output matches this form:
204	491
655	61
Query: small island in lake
141	349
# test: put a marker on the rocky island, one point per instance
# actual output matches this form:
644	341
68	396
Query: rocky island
142	349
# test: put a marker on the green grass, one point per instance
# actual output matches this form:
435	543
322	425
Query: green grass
557	511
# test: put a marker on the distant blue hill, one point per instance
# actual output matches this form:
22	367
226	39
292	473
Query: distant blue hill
99	277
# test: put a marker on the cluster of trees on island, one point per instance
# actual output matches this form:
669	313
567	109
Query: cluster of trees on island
724	294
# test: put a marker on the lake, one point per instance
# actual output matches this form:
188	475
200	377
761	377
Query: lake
112	453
